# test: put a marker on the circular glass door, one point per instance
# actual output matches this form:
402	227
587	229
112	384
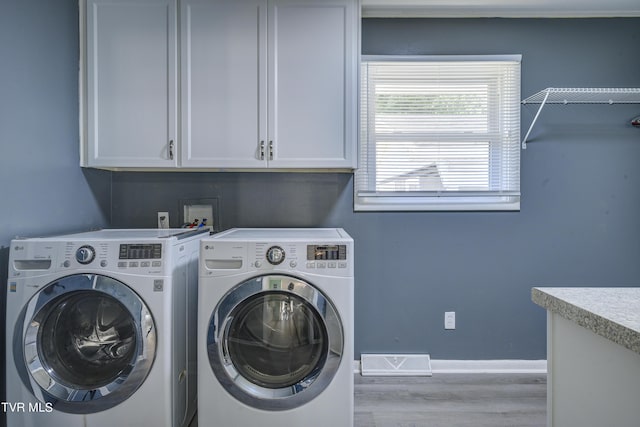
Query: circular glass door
88	343
87	339
273	342
276	339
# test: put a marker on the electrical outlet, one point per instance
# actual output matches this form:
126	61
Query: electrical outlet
449	319
163	219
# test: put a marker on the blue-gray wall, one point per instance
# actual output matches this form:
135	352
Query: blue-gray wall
579	224
42	188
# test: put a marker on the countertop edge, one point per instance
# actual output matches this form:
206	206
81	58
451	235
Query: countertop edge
597	324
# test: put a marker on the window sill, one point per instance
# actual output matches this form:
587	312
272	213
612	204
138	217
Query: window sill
436	204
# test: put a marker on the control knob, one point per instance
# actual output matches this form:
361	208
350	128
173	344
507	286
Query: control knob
85	254
275	255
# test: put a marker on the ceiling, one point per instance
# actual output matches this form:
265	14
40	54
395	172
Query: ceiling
501	8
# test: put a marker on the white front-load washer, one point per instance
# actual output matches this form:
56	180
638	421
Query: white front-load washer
275	328
101	329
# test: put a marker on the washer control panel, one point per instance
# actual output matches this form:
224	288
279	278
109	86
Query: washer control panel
133	257
30	258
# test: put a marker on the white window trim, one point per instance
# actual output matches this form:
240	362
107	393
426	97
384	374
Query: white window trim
437	200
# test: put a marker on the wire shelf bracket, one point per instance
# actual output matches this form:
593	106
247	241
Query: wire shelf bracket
552	95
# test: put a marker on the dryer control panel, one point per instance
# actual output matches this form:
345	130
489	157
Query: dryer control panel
326	252
323	258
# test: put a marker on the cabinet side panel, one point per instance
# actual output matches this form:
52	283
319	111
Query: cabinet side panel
594	381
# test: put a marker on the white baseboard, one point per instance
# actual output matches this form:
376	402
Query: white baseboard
481	366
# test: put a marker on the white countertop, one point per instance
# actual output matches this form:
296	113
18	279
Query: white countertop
613	313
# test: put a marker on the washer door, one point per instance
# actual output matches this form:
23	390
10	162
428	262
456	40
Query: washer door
85	343
275	342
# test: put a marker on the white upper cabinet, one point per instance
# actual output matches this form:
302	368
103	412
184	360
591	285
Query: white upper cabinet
269	83
263	84
224	93
131	84
312	69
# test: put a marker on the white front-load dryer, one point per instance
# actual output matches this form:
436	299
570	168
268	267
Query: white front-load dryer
275	337
101	329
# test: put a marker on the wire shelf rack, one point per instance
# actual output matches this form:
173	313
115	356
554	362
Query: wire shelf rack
552	95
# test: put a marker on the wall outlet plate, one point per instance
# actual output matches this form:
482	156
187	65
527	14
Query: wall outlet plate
163	219
449	319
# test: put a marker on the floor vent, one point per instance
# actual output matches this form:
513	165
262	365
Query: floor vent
396	365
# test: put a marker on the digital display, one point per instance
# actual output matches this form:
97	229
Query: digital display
141	251
326	252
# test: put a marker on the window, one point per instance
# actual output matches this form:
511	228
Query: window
439	133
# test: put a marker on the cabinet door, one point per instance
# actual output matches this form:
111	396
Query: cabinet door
223	48
313	47
131	83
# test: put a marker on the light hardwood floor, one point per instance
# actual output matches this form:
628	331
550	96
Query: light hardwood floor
449	400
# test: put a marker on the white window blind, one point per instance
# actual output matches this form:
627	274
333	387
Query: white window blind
439	133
